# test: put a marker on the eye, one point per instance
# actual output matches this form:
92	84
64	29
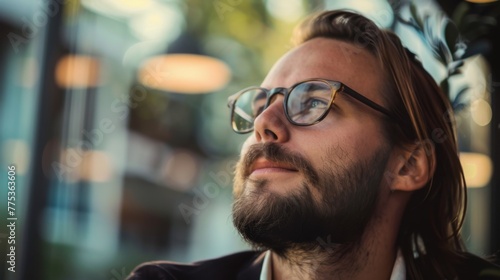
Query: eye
309	110
316	103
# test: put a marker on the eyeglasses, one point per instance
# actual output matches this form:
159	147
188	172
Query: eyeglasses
305	103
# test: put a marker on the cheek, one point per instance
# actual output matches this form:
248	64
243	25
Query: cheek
349	141
238	180
363	135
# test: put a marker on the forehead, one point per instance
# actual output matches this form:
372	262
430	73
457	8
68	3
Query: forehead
329	59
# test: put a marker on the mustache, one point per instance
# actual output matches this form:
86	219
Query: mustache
275	152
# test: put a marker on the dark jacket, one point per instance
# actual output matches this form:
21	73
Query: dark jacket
247	266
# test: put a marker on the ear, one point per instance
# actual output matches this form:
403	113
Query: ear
411	167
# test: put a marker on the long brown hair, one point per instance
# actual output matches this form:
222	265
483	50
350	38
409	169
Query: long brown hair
435	213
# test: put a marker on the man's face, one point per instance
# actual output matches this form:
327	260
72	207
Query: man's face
295	184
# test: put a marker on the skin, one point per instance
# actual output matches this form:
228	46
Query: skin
346	121
358	130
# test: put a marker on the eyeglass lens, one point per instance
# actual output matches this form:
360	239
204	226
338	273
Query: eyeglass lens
305	104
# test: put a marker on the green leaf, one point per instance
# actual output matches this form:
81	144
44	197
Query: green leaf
416	16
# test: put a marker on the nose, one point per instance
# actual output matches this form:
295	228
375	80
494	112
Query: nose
272	125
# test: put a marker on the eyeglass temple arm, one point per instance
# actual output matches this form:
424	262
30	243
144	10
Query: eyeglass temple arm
367	101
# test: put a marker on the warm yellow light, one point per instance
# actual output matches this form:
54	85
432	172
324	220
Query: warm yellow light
180	169
477	169
96	167
481	112
86	165
77	71
132	5
184	73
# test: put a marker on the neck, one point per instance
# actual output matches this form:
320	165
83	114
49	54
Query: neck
372	257
334	261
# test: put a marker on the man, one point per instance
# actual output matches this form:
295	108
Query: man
351	170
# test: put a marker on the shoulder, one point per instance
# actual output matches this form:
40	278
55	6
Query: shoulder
474	267
243	265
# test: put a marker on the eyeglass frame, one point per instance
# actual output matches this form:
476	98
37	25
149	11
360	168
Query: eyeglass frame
341	87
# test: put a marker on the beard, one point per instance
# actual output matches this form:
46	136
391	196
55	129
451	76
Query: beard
335	202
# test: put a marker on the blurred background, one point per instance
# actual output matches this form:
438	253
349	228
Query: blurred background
114	115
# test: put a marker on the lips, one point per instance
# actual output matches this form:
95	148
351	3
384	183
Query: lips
262	165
